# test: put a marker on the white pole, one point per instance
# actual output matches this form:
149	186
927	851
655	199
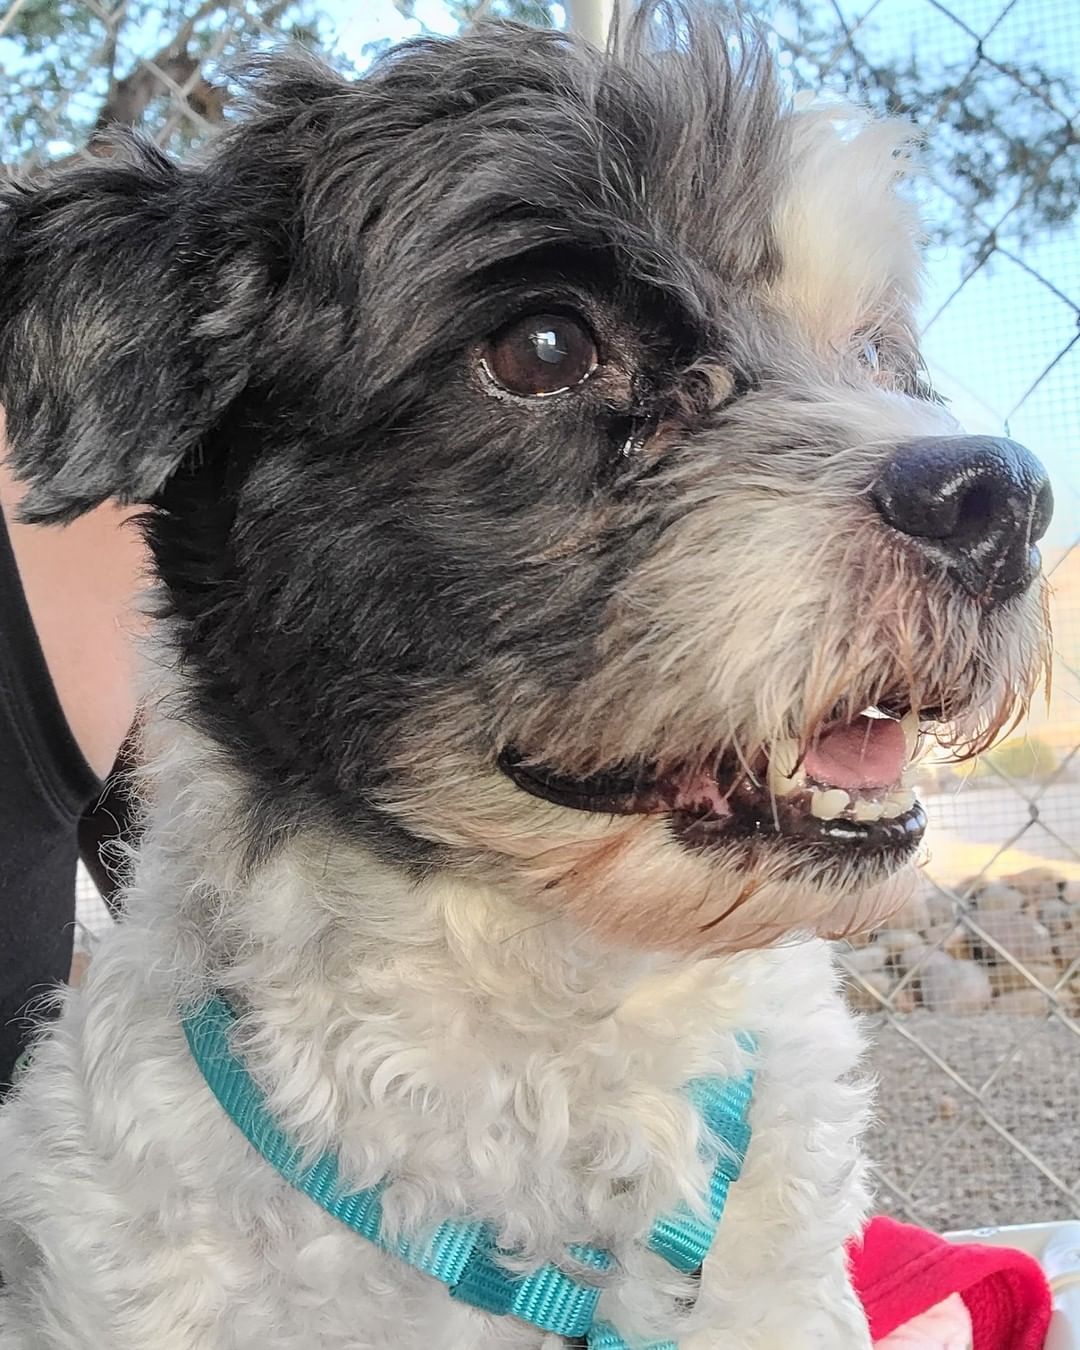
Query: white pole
590	18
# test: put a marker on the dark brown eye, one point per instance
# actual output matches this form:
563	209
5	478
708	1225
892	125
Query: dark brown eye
541	354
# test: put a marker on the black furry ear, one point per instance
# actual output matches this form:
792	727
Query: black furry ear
127	323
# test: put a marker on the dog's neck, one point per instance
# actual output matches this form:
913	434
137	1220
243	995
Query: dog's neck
481	1054
321	906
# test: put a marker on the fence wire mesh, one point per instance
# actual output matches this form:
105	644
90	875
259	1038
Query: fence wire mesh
973	992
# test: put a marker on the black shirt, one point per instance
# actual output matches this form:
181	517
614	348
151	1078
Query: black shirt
45	784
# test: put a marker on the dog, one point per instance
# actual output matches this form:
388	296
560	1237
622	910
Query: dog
559	554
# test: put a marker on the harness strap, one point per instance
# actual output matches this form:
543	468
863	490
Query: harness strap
683	1239
463	1255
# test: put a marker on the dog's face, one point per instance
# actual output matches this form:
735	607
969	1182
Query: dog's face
544	480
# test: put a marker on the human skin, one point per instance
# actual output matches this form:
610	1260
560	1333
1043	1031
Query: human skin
81	581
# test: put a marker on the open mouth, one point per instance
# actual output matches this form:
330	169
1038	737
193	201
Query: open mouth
851	787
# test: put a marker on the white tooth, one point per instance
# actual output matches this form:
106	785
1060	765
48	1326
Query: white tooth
784	776
868	810
784	757
898	803
780	786
909	778
909	724
829	804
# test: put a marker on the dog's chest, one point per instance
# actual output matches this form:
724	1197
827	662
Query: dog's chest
200	1245
594	1151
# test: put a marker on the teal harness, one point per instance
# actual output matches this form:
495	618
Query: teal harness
463	1255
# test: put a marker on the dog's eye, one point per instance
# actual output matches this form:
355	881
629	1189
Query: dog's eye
540	355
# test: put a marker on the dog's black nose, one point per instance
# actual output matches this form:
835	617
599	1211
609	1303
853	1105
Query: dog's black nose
974	505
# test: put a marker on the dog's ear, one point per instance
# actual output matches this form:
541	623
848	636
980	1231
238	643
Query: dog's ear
127	323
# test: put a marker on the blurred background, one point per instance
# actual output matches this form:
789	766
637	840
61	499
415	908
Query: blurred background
973	994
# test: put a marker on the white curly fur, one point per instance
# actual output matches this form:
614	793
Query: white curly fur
494	1064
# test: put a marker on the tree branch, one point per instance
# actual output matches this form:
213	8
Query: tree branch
129	98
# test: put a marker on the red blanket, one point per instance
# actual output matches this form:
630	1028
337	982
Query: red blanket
900	1272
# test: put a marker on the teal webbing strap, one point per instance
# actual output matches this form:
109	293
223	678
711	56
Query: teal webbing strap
683	1239
548	1298
604	1337
463	1256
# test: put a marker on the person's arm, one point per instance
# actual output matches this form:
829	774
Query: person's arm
81	581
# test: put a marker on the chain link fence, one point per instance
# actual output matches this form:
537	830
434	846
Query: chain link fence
973	992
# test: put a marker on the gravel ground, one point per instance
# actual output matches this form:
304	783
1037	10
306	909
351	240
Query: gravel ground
941	1162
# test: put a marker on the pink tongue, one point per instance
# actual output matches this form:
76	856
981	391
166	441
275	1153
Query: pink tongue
869	753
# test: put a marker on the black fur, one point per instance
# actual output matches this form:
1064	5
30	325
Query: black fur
274	349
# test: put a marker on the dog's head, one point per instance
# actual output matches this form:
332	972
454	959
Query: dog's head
545	484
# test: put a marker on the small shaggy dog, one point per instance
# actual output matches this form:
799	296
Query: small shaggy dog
558	552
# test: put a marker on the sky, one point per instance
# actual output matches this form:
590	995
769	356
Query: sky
993	341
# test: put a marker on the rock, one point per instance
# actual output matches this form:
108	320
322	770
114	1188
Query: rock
1020	934
953	938
1062	922
948	1107
1037	884
866	960
1024	1002
997	897
953	986
1067	949
941	908
1056	914
867	967
903	1000
896	941
861	999
912	916
859	996
912	957
968	890
1047	975
1006	977
958	943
